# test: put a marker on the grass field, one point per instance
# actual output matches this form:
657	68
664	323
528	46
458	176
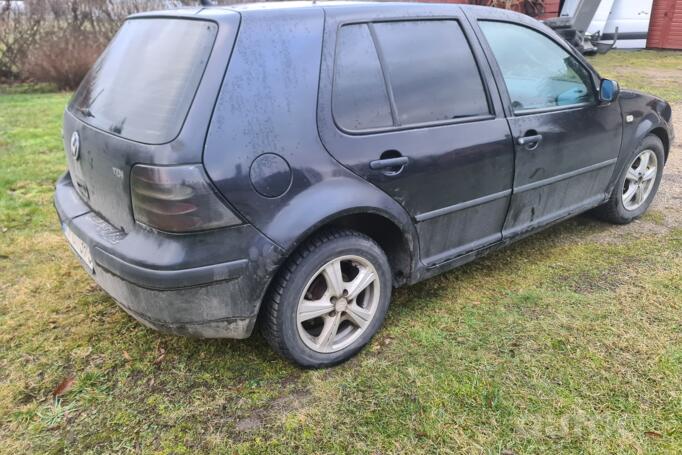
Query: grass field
569	341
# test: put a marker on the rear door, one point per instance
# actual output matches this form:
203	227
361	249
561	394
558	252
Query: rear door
407	105
566	141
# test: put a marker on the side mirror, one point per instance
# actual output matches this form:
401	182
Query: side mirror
608	90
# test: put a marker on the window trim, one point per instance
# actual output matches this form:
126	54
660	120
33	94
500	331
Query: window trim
389	89
497	73
388	85
543	110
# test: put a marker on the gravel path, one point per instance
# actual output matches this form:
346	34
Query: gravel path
669	198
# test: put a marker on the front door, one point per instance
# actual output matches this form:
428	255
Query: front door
409	109
566	141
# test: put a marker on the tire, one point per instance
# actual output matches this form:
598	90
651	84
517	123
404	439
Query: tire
623	208
296	328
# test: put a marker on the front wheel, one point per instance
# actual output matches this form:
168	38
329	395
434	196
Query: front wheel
636	185
329	299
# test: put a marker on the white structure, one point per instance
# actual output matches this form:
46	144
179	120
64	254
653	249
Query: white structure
630	16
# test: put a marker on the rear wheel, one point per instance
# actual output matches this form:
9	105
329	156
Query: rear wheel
329	299
637	184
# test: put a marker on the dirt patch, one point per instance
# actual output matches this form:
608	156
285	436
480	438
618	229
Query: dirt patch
607	280
665	212
585	283
248	424
275	410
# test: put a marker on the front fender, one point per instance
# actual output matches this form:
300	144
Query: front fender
648	113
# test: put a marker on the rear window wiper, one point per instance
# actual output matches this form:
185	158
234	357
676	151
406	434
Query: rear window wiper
85	111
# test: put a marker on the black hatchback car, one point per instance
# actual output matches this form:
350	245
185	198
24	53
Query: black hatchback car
291	163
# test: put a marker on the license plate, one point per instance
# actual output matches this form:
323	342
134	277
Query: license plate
80	247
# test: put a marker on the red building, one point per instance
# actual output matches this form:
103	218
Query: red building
552	8
665	28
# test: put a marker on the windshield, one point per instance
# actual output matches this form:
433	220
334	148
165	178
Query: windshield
141	88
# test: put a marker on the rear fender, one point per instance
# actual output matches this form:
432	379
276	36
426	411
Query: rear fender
331	199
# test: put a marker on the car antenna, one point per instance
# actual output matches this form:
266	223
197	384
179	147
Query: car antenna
207	3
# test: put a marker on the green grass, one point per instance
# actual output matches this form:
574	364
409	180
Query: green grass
657	72
569	341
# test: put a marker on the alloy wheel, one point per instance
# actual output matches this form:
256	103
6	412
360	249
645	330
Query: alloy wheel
338	304
639	180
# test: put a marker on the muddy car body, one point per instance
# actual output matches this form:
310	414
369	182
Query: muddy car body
291	141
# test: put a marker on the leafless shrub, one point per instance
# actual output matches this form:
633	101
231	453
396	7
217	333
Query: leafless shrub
62	58
56	41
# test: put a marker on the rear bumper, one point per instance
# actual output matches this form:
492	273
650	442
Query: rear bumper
206	285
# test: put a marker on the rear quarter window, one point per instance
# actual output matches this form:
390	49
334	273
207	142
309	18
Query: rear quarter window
359	99
142	86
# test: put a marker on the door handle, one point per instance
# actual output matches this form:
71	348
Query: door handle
386	163
531	142
390	163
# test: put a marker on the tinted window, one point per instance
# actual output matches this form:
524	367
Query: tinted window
142	86
359	98
538	73
432	71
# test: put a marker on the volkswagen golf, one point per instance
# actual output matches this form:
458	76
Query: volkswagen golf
287	165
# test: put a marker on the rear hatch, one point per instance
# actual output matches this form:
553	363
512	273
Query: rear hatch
148	99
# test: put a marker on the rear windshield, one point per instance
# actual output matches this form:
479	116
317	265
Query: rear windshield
142	86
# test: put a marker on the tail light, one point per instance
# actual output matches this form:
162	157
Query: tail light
177	199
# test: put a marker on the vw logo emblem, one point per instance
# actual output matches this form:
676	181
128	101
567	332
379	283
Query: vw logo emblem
75	145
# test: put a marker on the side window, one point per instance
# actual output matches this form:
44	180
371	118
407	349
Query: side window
359	98
432	71
538	73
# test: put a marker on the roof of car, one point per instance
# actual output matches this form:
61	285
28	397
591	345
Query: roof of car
218	10
293	4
